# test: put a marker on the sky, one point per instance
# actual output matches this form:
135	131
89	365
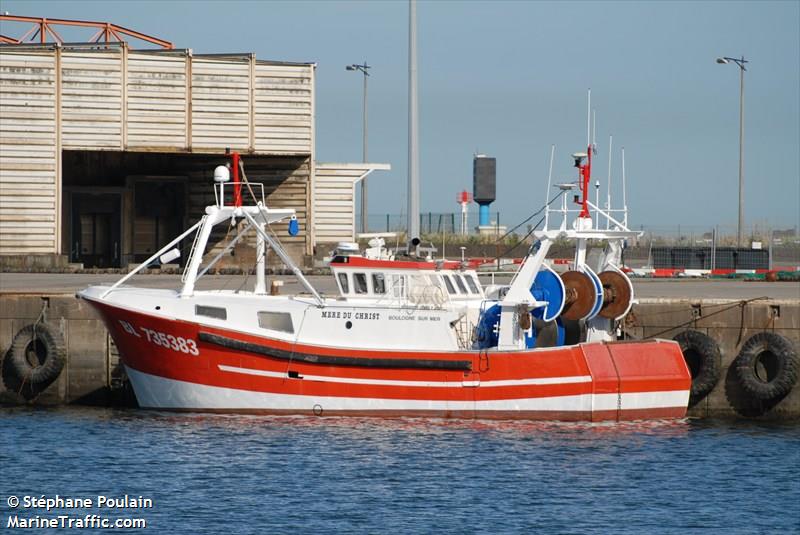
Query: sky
509	79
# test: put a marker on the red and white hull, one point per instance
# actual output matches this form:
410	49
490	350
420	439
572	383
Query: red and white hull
183	365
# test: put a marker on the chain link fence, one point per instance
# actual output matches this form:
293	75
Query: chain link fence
780	244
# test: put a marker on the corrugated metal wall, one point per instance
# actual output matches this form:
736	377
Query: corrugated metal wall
283	108
116	99
29	152
91	100
334	213
220	103
158	102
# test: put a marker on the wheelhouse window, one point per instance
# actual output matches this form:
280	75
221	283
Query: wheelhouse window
460	282
276	321
398	285
343	283
449	284
473	288
211	312
379	283
360	283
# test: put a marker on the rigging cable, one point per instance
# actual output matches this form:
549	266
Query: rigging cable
531	231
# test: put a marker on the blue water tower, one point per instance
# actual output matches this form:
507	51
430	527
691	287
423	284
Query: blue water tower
483	185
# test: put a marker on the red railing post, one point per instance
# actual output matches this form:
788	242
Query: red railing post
237	186
586	174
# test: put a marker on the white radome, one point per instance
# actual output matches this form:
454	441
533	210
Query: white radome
222	174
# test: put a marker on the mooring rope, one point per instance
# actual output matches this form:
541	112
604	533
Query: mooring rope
742	304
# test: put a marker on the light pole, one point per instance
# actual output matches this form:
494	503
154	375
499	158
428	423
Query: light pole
365	70
740	63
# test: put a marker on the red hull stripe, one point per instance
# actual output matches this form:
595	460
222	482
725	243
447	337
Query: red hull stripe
360	261
420	384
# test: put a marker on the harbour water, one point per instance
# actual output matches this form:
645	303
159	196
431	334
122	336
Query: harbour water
248	474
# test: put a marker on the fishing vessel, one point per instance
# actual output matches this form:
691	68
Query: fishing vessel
403	335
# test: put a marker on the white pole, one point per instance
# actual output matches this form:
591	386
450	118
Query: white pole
261	263
589	118
364	195
197	258
547	193
597	201
413	156
713	248
608	186
624	191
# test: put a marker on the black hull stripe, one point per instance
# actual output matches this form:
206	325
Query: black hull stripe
309	358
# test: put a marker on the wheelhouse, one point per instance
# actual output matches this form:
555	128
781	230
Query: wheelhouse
419	282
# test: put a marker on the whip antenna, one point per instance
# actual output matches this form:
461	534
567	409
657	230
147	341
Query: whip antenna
624	193
608	185
546	193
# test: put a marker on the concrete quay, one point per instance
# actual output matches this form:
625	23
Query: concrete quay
728	311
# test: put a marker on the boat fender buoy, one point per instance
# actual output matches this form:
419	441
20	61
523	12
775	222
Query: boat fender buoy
294	226
767	366
703	357
38	354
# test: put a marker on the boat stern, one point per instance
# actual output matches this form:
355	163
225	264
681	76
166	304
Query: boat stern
638	380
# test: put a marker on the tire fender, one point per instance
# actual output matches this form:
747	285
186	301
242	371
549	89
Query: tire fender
776	356
37	354
703	357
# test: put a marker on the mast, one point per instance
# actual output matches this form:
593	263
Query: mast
547	193
624	193
585	170
608	185
413	145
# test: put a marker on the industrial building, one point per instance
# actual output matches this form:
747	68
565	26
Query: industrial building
107	152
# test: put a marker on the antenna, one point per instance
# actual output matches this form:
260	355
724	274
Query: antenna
585	170
547	193
624	193
594	127
608	186
597	201
589	118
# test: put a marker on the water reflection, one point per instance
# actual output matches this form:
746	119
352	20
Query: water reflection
410	475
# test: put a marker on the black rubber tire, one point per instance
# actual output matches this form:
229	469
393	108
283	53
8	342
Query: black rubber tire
782	366
546	333
574	331
703	357
47	345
